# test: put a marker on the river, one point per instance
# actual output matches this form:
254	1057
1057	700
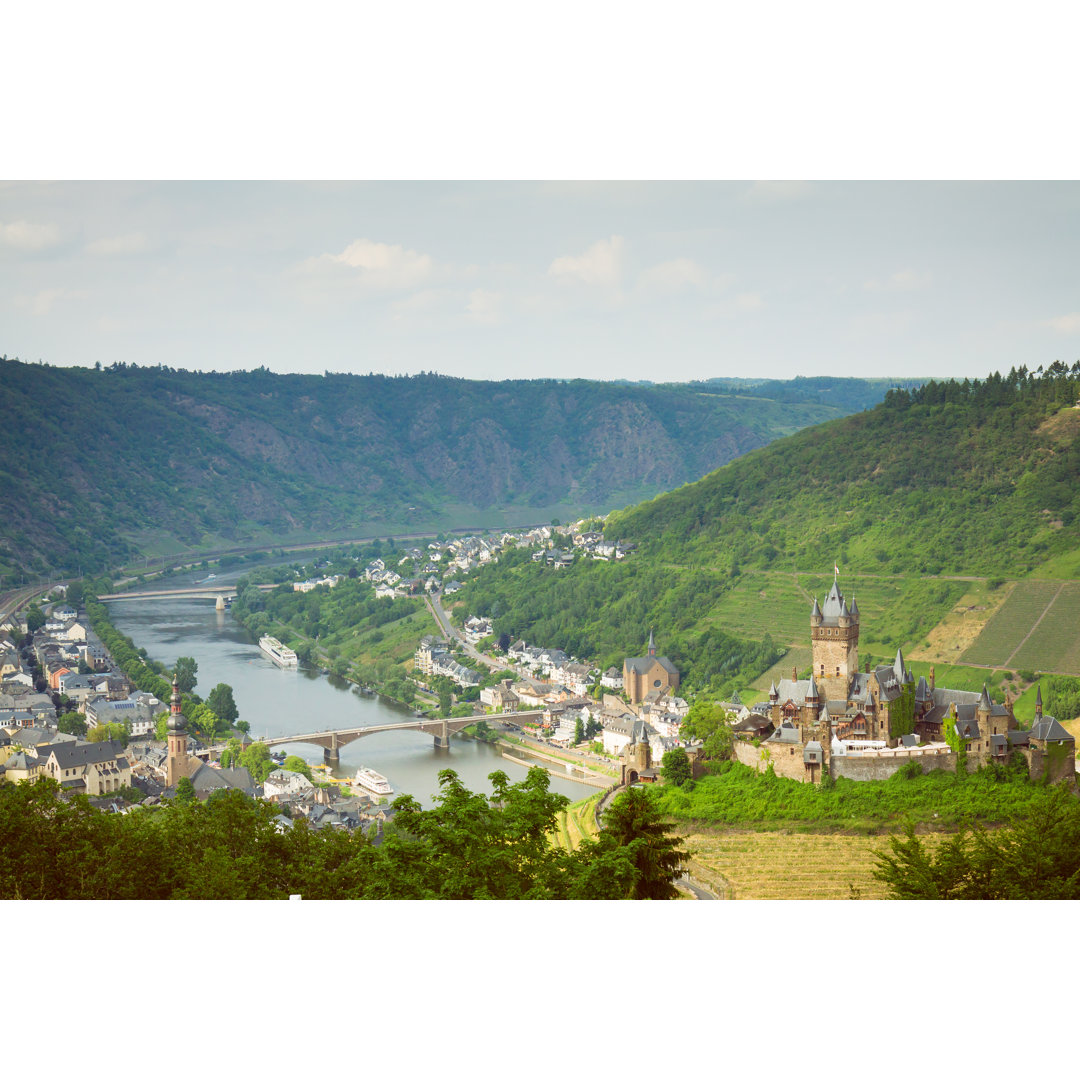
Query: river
281	702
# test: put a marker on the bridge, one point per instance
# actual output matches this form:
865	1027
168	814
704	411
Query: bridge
197	592
332	741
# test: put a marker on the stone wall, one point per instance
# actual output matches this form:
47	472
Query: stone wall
881	768
783	761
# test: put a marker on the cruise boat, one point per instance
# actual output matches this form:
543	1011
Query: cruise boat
277	652
373	783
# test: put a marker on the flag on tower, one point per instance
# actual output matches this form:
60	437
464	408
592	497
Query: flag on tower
836	570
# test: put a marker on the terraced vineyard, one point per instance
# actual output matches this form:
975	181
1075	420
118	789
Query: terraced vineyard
1012	622
786	866
576	823
1055	644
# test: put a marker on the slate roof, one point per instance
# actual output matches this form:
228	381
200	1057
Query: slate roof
785	733
72	755
640	665
1049	730
834	605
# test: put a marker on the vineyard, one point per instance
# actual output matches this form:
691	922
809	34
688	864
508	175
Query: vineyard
576	823
1011	623
786	866
1055	644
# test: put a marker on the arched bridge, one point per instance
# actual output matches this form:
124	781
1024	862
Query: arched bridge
333	741
209	592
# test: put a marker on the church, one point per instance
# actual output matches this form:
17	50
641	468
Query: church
866	724
650	674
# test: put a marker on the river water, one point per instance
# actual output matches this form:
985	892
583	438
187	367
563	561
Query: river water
283	702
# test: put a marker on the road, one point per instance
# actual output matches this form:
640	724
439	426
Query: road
443	620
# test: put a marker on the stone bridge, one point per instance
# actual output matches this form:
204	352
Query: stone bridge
332	741
198	592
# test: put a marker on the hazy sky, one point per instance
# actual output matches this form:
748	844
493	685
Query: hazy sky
663	281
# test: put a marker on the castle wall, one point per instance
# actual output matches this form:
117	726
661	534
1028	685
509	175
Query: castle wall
881	768
783	760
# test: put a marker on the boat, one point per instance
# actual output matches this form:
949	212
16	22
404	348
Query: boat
280	654
373	783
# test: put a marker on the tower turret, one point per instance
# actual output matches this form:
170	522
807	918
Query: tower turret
176	764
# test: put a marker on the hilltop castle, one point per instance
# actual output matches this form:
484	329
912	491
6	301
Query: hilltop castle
866	724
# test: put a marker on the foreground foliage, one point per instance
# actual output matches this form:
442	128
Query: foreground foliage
467	846
1037	858
738	795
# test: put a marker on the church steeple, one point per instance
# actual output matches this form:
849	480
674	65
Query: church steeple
652	643
176	764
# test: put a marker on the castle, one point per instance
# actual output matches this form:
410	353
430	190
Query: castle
867	724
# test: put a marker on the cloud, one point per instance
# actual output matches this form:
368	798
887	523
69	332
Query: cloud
1065	324
749	301
41	303
420	307
901	281
673	276
483	307
378	265
26	236
776	191
599	265
128	244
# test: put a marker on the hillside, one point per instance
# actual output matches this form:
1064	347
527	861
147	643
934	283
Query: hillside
928	503
126	460
961	478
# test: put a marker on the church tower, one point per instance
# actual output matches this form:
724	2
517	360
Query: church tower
834	640
177	761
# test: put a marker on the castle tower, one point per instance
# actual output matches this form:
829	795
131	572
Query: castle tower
834	640
177	761
1038	702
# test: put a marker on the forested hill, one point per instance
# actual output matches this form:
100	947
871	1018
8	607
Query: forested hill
106	463
966	478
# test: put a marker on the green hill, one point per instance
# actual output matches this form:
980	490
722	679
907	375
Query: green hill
913	499
106	464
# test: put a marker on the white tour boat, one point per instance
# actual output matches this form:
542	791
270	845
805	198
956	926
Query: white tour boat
280	654
373	783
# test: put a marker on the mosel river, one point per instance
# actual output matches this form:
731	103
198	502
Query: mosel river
283	702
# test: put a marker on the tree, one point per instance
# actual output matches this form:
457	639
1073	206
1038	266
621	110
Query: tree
504	641
35	618
161	726
72	723
231	753
242	725
295	763
221	702
185	672
632	824
675	766
112	730
256	759
1037	858
85	668
579	731
185	790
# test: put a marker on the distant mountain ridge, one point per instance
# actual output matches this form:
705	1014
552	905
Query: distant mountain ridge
105	463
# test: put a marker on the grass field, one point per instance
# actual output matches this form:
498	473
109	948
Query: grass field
1011	622
786	866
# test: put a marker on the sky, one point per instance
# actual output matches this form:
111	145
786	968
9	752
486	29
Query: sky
660	280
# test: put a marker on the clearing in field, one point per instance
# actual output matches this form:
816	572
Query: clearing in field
1011	623
958	630
1054	644
786	866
